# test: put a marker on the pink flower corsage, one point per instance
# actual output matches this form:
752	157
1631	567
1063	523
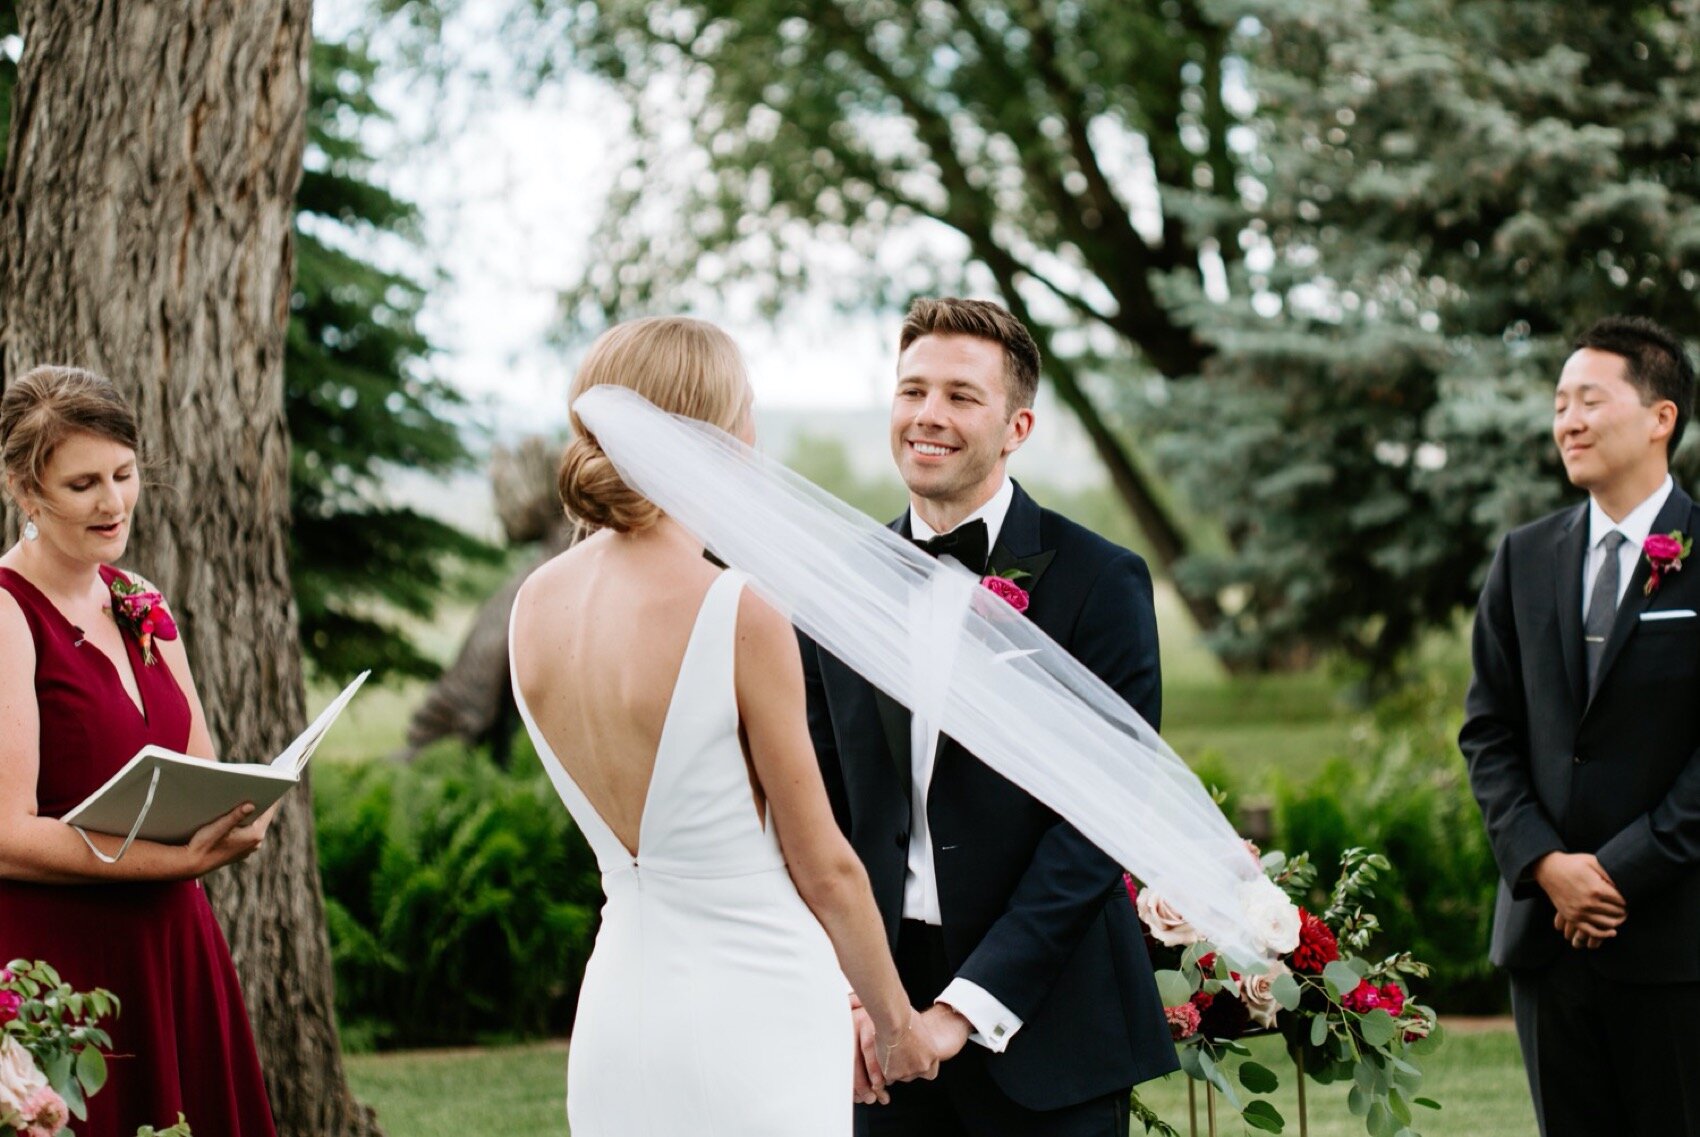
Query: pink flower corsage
1665	553
141	612
1006	588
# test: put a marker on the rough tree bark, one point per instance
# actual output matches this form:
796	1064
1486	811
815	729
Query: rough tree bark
145	215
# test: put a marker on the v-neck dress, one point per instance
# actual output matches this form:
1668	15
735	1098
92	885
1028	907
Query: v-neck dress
712	1005
182	1042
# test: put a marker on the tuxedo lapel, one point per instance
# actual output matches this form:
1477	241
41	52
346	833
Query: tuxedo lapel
1673	515
1572	550
1018	545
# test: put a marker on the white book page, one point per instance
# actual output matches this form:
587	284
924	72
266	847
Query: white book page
295	755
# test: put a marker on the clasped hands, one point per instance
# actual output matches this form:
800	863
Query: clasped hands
933	1036
1590	908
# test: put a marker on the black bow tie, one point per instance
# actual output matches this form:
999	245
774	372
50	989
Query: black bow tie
967	543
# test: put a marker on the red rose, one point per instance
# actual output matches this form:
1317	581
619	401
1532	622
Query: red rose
1659	547
1317	945
1364	999
1207	962
1183	1021
1202	1000
1392	999
9	1004
1008	590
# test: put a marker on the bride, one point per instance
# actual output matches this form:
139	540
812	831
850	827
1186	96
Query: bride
666	703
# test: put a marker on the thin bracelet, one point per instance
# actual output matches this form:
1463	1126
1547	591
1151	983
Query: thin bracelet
885	1058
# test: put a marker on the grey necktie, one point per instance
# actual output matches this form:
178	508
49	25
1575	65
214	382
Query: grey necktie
1602	605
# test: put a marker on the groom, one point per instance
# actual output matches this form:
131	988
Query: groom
1584	749
1010	927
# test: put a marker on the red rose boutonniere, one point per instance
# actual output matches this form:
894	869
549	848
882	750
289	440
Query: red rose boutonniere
1003	585
141	612
1665	553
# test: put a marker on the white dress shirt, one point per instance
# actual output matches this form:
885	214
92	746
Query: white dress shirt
1637	526
994	1024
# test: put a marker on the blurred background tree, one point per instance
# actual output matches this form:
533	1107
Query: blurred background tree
1449	193
362	401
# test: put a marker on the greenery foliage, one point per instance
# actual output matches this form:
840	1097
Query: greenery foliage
1443	194
461	901
1406	794
361	401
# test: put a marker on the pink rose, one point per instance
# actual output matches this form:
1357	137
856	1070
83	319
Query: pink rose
10	1001
1183	1020
1364	999
47	1113
1257	992
1661	547
1166	925
20	1082
1132	888
1008	590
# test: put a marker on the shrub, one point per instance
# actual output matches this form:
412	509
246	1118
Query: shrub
460	899
1408	796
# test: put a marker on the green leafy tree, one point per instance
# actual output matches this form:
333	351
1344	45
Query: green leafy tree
361	401
1450	192
1066	156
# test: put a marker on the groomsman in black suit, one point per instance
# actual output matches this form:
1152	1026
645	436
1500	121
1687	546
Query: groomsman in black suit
1582	731
1009	926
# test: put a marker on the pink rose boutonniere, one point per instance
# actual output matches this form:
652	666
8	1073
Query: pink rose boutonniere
1004	586
1665	553
141	612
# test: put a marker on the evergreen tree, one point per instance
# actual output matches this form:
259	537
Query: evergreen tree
361	400
1451	191
358	394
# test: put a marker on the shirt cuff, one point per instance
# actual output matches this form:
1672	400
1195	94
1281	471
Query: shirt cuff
994	1024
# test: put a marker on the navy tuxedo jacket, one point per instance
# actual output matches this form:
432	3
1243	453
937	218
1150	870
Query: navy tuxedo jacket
1616	774
1033	912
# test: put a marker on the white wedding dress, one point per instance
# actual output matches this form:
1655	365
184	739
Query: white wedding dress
712	1005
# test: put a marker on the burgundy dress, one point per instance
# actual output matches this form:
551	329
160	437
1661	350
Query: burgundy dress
182	1043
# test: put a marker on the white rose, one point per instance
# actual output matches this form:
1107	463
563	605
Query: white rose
1274	919
19	1080
1257	992
1166	925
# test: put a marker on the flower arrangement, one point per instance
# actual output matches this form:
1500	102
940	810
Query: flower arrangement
140	611
52	1052
1342	1015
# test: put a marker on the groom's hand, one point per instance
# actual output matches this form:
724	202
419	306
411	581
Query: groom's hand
1590	908
950	1029
869	1079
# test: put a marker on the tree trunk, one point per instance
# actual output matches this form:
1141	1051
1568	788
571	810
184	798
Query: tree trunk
145	215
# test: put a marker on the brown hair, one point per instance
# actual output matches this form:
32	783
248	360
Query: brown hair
953	316
684	366
46	405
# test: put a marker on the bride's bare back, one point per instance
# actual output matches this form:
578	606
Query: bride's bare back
600	634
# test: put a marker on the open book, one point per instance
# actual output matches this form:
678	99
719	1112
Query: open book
161	795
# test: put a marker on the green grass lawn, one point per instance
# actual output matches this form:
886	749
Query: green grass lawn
1476	1076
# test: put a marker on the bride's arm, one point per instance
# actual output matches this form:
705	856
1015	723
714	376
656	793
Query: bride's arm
829	876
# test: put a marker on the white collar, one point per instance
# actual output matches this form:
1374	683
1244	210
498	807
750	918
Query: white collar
992	513
1637	525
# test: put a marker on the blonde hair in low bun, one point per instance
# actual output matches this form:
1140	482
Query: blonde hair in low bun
684	366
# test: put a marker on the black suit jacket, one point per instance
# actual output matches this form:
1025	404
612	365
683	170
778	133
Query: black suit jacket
1033	912
1617	774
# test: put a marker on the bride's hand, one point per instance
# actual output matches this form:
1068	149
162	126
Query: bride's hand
912	1053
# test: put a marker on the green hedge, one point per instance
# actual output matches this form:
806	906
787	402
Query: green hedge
1405	793
460	899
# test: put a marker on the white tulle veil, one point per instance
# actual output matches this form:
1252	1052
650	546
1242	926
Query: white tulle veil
928	635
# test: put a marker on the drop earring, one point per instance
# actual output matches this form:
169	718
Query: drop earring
30	531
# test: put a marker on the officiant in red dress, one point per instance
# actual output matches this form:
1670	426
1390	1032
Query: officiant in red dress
90	672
